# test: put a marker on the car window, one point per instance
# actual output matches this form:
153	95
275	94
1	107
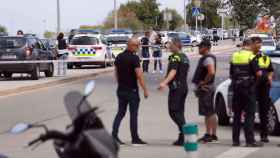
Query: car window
12	42
84	40
173	35
268	43
118	39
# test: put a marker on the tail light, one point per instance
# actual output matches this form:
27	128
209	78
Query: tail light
97	48
72	48
28	51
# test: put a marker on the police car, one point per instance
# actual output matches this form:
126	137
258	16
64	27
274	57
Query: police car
118	39
93	47
223	102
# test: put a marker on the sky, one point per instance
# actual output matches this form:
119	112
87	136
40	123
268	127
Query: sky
35	16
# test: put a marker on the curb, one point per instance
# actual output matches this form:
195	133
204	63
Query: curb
22	89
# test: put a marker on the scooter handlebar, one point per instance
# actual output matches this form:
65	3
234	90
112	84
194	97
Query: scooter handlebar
48	136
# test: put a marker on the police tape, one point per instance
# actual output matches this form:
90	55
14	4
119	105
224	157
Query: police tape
72	60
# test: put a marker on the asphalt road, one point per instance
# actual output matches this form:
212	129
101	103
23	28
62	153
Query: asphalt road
154	123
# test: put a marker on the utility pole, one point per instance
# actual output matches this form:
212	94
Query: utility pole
116	15
185	16
58	17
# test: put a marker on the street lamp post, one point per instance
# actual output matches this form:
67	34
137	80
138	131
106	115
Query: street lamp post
116	15
185	14
58	16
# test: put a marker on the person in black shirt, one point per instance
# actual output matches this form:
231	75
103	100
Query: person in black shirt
128	72
157	53
145	51
176	79
61	42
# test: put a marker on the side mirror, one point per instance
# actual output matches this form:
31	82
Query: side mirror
20	128
89	88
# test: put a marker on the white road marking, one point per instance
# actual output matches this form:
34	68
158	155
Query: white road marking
240	152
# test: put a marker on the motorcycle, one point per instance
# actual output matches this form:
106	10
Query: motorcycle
85	137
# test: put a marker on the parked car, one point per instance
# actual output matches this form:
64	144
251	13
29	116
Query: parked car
269	48
223	102
25	49
118	39
91	47
89	31
51	45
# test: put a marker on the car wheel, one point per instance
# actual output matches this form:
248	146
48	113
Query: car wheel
70	66
50	71
273	125
104	64
223	118
8	74
35	74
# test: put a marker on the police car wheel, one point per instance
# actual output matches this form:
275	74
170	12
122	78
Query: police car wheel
70	66
8	74
273	125
223	118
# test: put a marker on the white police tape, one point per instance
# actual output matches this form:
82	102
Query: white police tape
71	60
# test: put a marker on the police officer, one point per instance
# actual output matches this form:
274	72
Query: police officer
243	76
176	79
264	80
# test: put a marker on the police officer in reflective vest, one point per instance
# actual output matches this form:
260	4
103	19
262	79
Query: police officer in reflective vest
176	79
264	80
243	75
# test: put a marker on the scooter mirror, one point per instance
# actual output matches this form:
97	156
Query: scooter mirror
89	88
20	128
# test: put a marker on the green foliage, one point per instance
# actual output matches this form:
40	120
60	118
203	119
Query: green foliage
176	22
49	34
209	9
3	29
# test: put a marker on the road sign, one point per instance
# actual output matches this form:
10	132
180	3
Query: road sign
195	11
201	17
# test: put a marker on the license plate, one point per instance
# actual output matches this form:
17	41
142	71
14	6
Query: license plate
9	57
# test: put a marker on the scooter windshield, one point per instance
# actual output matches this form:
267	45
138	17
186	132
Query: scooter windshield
72	101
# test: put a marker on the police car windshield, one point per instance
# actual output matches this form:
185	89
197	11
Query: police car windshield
268	43
84	40
12	42
118	39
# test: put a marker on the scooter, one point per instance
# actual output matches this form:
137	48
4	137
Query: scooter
85	137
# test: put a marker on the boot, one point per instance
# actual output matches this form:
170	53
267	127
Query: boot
180	141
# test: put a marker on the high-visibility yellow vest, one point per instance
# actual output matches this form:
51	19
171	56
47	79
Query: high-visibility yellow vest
264	61
242	57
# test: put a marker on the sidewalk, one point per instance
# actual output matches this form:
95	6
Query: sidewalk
19	84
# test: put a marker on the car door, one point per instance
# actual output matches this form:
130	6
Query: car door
42	54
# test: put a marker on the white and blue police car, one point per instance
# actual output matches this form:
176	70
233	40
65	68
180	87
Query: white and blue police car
223	103
92	47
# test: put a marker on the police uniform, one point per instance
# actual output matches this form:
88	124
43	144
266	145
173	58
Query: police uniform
242	73
178	90
263	88
145	54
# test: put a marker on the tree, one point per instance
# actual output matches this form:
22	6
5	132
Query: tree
3	29
245	12
209	9
49	34
126	19
175	23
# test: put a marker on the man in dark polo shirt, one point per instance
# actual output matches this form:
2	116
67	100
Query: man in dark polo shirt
128	72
